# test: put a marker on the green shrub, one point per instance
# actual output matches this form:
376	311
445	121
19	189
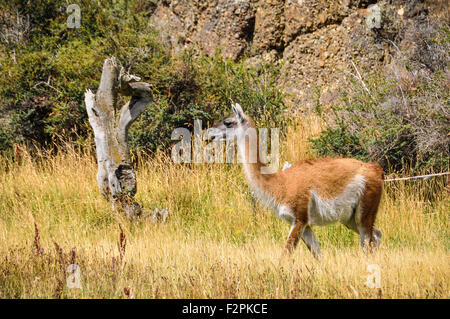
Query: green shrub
379	122
200	87
5	140
340	141
50	67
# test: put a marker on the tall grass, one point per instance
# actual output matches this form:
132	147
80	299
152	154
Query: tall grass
214	243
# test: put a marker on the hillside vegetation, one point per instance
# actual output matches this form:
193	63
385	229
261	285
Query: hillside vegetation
391	103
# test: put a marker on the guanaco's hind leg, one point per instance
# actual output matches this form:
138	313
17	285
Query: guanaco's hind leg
351	224
374	239
377	237
366	214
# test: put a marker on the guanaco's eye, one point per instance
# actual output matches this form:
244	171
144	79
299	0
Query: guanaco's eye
228	123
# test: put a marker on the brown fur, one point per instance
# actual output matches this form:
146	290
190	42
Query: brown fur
328	177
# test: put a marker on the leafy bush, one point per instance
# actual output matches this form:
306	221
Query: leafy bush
49	68
5	140
203	88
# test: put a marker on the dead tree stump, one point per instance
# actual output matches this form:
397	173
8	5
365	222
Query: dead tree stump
116	178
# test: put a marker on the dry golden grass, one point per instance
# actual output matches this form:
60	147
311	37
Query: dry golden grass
214	245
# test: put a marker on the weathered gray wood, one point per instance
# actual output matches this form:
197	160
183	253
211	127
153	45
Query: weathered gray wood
116	178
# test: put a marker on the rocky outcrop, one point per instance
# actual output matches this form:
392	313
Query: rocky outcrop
320	43
208	24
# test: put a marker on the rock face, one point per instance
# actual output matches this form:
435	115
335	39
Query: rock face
208	24
321	43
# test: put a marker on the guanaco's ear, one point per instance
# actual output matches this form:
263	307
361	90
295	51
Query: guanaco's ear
237	109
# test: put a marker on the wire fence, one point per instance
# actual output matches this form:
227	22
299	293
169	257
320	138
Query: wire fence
416	177
413	178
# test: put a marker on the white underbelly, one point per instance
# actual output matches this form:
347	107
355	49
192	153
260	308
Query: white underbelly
338	209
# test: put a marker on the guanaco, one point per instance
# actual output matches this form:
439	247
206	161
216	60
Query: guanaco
311	192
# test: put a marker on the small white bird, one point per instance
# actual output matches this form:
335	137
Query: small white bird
286	166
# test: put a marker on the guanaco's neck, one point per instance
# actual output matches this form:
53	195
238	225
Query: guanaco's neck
256	172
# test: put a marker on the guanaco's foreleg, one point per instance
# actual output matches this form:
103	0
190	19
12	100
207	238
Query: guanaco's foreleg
311	242
294	235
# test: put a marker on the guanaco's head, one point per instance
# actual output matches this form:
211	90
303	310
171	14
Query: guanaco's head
233	126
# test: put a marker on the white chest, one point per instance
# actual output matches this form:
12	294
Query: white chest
338	209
